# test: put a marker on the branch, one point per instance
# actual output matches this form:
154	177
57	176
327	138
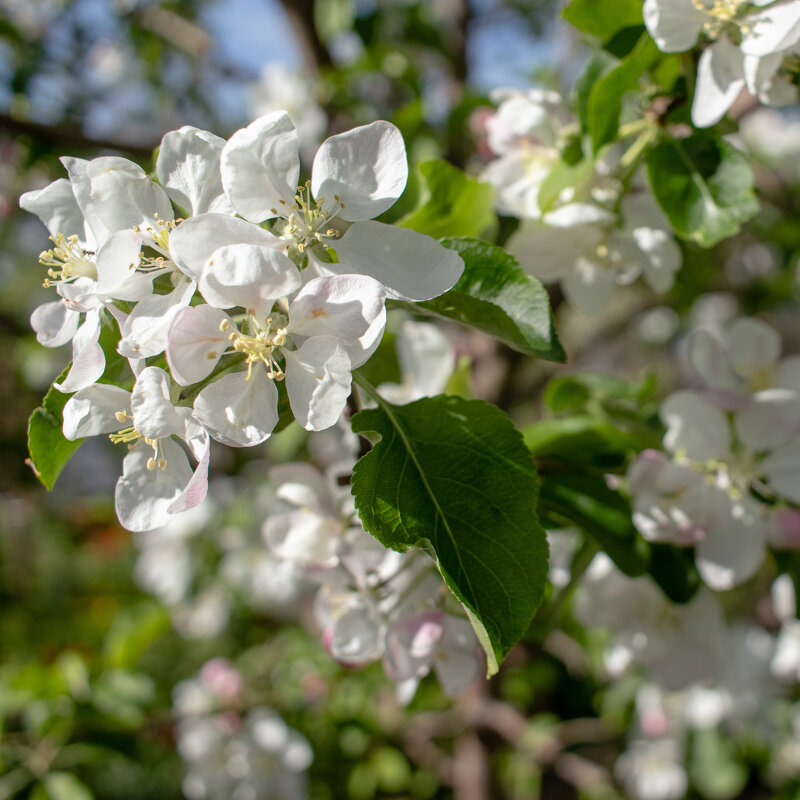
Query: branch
301	16
63	136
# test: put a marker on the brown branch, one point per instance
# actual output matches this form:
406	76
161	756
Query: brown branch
66	136
301	17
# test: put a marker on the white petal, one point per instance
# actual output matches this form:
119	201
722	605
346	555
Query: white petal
708	354
192	243
720	79
458	662
304	537
548	253
674	24
116	262
260	167
344	306
302	485
88	359
248	275
78	171
123	196
411	266
56	207
143	496
774	29
589	286
144	333
788	374
55	323
154	415
365	167
188	168
772	418
694	427
195	342
734	546
782	469
90	411
318	382
753	348
239	412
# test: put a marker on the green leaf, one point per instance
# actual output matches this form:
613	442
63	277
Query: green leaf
560	177
581	439
599	64
64	786
572	498
49	450
674	570
496	296
602	18
715	766
705	186
454	475
457	205
605	100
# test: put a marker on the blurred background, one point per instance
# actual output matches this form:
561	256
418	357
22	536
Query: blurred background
114	647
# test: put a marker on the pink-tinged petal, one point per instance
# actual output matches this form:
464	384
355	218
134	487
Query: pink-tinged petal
411	643
318	382
91	411
195	342
365	168
459	660
410	265
248	275
88	359
145	331
143	496
344	306
192	244
55	323
785	532
239	412
56	207
188	168
673	24
260	167
720	80
694	427
305	537
195	491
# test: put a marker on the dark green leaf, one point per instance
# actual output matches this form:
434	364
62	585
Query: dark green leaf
705	186
605	100
571	498
457	205
602	18
454	474
581	440
49	450
674	570
495	295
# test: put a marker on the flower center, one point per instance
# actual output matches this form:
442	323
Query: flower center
259	345
721	14
66	261
309	221
132	437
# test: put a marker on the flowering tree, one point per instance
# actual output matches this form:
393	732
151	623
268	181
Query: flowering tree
225	301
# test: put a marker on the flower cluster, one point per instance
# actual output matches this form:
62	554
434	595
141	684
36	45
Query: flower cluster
731	484
257	285
749	43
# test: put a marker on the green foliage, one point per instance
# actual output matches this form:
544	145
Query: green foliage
496	296
49	450
714	766
704	185
605	98
456	205
454	475
603	19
